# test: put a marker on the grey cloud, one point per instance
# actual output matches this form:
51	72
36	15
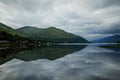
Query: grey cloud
99	4
111	2
115	29
27	5
82	17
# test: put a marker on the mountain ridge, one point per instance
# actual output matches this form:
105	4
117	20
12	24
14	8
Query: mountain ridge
109	39
49	33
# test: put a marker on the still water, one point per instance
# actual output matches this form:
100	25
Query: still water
60	63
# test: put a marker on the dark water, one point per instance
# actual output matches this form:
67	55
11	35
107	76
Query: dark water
59	63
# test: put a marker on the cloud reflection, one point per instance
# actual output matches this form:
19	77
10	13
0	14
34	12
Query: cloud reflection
82	65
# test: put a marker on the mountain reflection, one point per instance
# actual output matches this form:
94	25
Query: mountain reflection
8	53
91	63
31	53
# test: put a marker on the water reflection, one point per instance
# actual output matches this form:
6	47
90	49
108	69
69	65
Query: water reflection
49	52
28	53
91	63
114	49
8	53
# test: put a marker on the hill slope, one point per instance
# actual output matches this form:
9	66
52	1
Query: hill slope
109	39
9	34
50	34
9	30
6	28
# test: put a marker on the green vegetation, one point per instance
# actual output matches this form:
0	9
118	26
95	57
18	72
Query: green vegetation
6	56
30	53
9	30
8	53
6	37
30	37
10	36
51	34
37	35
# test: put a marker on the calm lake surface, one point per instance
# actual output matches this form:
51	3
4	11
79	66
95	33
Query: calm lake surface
59	63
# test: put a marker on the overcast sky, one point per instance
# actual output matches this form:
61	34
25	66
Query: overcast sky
91	19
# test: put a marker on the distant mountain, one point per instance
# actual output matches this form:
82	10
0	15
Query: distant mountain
109	39
50	34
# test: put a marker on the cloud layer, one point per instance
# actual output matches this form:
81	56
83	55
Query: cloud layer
87	18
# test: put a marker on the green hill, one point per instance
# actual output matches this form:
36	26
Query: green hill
9	30
6	32
51	34
9	34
